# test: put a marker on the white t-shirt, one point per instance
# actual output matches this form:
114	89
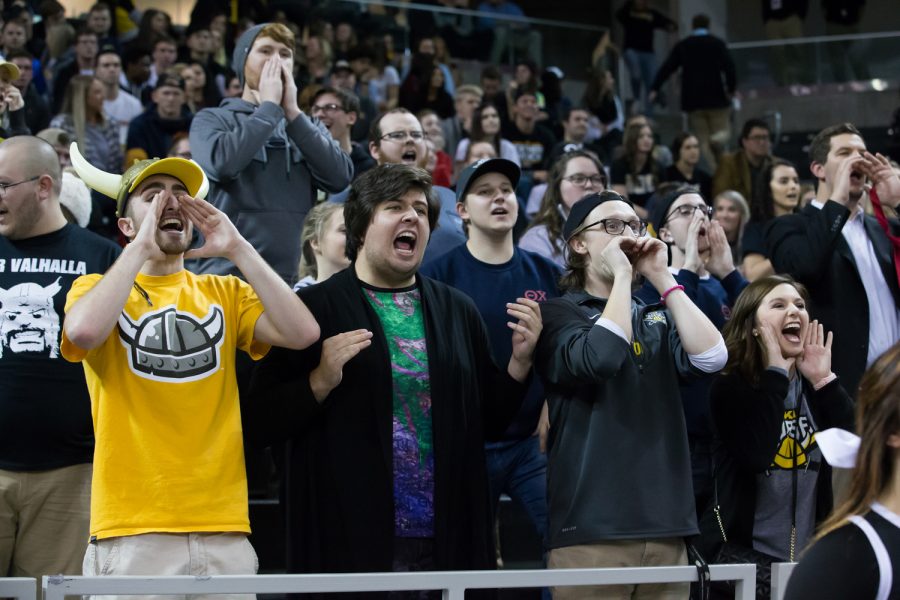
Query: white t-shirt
122	110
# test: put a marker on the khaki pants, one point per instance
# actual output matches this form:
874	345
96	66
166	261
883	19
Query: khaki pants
167	554
663	552
44	521
788	61
710	125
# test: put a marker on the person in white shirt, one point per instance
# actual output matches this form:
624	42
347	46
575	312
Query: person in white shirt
846	258
118	104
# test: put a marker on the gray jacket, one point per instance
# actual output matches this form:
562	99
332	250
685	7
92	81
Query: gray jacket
263	174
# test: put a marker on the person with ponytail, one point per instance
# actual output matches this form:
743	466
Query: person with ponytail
856	553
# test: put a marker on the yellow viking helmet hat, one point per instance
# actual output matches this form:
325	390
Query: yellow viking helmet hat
118	187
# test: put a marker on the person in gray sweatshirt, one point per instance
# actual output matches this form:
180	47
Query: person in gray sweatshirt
264	157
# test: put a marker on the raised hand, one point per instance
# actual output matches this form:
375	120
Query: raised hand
840	190
614	256
12	97
526	328
651	259
271	83
336	352
145	239
882	175
692	260
720	262
815	362
289	92
221	237
768	336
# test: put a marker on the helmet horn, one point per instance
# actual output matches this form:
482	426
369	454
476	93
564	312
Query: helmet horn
107	184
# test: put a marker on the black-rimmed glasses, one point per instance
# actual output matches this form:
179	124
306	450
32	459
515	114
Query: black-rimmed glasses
617	226
6	186
687	210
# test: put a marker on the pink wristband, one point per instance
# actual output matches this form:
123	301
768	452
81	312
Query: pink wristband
669	291
824	381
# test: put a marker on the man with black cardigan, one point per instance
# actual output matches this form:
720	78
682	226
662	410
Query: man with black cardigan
389	412
707	84
843	256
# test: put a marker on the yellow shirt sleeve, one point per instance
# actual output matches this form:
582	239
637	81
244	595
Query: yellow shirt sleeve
80	287
249	309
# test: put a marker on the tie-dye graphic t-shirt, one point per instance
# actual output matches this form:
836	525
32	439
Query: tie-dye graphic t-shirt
400	312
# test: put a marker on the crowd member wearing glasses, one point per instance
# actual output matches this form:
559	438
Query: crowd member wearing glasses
740	169
619	492
397	137
575	175
702	262
265	158
338	110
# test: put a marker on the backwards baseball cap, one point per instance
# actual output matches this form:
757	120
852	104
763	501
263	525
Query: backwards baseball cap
486	165
582	208
169	80
341	65
663	203
8	71
119	187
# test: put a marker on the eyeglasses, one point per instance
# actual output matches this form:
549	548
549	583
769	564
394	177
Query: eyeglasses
687	210
401	136
617	226
581	180
325	108
6	186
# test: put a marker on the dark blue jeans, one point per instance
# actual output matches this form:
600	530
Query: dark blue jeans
520	470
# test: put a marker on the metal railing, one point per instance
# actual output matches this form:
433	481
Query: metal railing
452	584
781	573
20	588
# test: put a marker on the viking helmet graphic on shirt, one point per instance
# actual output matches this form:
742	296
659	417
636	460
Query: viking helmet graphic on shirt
28	320
171	345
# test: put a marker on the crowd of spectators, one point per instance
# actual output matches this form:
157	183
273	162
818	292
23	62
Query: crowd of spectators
635	338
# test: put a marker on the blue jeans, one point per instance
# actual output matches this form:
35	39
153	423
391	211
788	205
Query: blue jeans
641	71
520	470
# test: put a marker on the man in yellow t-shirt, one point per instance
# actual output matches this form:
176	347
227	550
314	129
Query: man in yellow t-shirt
169	490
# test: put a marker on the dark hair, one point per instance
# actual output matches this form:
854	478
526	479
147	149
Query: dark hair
549	214
629	141
821	144
100	6
762	204
490	72
477	132
108	49
746	352
349	101
133	54
678	142
361	51
8	22
700	21
163	39
567	112
750	124
375	132
84	31
48	8
20	53
381	184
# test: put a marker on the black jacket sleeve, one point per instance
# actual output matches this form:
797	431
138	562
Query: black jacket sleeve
572	350
668	68
801	244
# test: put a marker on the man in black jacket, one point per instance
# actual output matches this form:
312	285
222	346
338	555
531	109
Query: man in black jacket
619	491
390	411
843	256
707	85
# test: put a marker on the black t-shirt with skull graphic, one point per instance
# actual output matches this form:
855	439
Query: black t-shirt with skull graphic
45	410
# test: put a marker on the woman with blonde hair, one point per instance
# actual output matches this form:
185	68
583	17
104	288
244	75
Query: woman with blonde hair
857	551
323	244
82	116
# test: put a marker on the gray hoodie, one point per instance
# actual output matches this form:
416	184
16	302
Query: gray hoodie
264	171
